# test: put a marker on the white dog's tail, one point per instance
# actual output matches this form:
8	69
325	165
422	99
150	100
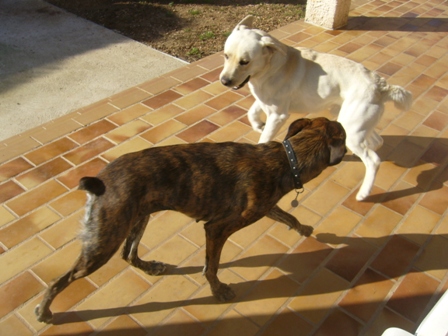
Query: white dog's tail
402	98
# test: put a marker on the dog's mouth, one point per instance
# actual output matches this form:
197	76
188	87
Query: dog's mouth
242	84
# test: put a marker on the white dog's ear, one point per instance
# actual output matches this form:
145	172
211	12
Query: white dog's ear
270	42
246	23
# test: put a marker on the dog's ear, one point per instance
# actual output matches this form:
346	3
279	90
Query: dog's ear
273	44
335	130
297	126
245	23
337	153
336	142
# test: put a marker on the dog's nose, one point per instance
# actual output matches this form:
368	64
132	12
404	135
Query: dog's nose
225	81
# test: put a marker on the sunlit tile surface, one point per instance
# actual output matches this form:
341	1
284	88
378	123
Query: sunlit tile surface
368	266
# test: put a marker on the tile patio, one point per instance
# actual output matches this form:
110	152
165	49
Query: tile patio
368	266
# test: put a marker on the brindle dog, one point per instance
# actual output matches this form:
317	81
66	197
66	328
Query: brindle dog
227	185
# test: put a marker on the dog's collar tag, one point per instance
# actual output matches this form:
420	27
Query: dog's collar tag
292	159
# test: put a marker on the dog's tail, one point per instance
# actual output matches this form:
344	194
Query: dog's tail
93	185
402	98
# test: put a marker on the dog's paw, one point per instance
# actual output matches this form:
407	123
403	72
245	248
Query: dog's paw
258	127
154	267
43	316
361	195
224	293
305	230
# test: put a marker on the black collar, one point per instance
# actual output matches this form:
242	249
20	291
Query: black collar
292	159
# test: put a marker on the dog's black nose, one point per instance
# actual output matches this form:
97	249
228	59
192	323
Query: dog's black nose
225	81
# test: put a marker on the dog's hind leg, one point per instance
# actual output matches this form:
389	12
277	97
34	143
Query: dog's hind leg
362	139
130	250
282	216
85	265
374	141
371	161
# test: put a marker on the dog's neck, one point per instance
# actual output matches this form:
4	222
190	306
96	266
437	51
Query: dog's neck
293	163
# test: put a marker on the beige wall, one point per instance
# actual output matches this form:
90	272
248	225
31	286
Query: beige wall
331	14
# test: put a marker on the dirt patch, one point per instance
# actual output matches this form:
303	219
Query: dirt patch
186	29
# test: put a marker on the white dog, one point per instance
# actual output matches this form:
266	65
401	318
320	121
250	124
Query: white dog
283	79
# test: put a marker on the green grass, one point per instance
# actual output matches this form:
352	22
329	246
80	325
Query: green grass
194	52
207	35
194	11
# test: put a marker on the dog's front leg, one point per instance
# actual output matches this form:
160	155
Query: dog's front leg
282	216
254	116
216	234
275	120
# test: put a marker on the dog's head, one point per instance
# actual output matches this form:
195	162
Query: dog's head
320	130
247	51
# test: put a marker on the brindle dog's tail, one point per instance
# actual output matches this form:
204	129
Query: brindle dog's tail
93	185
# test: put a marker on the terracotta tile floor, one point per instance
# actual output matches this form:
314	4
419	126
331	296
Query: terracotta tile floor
368	266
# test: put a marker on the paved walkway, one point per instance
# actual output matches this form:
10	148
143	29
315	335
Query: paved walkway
53	62
368	266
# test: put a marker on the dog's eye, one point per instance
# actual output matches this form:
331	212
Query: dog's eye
226	56
244	62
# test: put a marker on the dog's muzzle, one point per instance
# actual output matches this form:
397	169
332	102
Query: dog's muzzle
228	82
242	84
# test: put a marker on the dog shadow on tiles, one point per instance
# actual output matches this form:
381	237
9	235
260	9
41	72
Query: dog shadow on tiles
340	262
420	162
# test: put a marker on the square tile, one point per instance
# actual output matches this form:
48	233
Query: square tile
127	287
319	296
267	297
305	259
287	323
351	258
180	323
403	251
338	320
378	225
412	295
